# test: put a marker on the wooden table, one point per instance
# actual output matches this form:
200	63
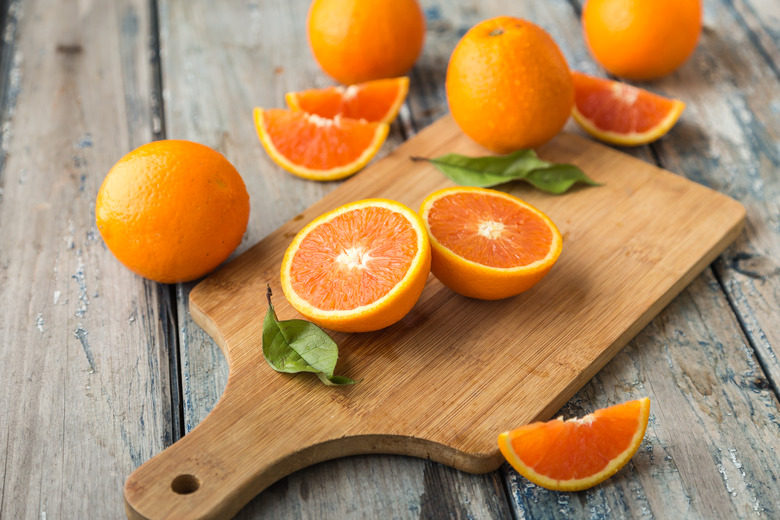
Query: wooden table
100	369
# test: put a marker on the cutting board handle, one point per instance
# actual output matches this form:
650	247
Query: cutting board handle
213	471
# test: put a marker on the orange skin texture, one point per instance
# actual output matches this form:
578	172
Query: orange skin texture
172	211
355	41
642	39
508	85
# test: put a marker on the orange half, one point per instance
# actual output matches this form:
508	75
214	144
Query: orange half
488	244
318	148
618	113
358	268
376	101
578	453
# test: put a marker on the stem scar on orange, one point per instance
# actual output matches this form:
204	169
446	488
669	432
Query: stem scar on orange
577	454
315	147
358	268
375	101
172	211
622	114
488	244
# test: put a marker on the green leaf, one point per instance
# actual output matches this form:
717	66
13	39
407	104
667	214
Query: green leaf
524	165
557	178
293	346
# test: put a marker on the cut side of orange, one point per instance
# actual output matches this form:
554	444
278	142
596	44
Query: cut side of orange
358	268
318	148
578	453
375	101
488	244
621	114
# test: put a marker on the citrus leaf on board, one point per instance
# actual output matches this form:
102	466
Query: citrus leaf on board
491	170
293	346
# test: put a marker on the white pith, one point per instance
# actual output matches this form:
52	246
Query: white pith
354	258
490	229
625	93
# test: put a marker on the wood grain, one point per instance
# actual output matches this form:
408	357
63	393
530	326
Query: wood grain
616	273
85	394
735	127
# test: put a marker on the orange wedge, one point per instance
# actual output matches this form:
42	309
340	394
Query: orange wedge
621	114
318	148
358	268
578	453
488	244
376	101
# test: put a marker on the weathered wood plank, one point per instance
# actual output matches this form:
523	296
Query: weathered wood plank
218	63
84	371
741	157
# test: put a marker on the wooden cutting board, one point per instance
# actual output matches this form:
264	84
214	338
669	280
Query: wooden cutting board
455	372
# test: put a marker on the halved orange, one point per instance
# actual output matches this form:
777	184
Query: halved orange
315	147
378	100
578	453
619	113
488	244
358	268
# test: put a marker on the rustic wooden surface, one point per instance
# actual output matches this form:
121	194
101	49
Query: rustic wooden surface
101	370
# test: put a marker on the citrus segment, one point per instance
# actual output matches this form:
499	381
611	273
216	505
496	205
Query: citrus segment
378	100
622	114
315	147
358	268
578	453
488	244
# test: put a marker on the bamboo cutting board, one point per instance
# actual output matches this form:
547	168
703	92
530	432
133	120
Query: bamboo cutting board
455	372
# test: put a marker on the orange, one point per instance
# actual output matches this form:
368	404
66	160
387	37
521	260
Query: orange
488	244
355	41
378	100
641	39
579	453
621	114
508	85
172	211
358	268
315	147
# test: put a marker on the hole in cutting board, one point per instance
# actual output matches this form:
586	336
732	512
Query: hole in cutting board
185	484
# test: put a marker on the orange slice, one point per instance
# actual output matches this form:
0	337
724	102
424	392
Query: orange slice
315	147
358	268
378	100
622	114
488	244
579	453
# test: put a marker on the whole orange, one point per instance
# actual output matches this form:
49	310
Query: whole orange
358	40
172	211
641	39
508	85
